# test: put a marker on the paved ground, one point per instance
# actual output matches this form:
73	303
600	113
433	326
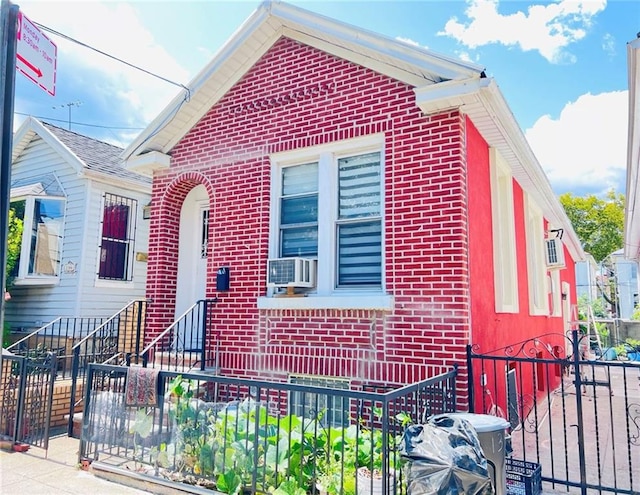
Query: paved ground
37	472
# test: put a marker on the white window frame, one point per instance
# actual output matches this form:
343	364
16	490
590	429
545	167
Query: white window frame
326	294
504	235
23	277
536	264
555	293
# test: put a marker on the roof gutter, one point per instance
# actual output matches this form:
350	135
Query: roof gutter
632	222
483	101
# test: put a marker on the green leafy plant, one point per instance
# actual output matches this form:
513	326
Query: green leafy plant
240	445
628	346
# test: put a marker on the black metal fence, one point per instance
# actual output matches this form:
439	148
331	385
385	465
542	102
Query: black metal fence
114	340
26	396
230	434
576	415
186	344
57	337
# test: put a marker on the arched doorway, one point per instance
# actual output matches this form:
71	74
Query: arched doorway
191	284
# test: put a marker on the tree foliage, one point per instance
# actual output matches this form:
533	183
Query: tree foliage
14	242
598	222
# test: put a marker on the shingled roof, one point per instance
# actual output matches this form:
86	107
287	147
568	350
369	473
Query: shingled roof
94	154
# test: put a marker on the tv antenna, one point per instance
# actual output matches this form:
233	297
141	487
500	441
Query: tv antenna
68	105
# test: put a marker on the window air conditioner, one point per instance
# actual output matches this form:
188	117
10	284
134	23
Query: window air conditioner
554	253
291	272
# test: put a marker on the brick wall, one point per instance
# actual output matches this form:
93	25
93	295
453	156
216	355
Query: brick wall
62	401
296	97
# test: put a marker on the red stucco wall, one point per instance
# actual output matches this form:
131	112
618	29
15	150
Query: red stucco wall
492	331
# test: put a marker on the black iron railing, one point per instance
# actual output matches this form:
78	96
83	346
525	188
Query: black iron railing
26	397
115	340
186	344
238	435
572	412
57	337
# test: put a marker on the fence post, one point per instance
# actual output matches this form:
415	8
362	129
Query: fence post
138	309
578	384
75	369
203	337
470	395
22	385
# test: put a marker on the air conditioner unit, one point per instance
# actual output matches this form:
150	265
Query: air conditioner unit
291	272
554	253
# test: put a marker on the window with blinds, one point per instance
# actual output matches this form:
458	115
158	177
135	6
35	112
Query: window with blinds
299	211
359	224
328	206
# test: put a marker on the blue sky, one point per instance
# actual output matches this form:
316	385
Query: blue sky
562	66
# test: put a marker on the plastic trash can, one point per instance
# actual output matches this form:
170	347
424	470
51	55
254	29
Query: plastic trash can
491	434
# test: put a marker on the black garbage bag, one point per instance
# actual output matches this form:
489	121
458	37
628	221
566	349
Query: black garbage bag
444	457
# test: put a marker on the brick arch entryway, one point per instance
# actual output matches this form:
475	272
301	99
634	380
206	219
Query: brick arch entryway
179	250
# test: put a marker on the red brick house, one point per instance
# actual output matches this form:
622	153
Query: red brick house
398	179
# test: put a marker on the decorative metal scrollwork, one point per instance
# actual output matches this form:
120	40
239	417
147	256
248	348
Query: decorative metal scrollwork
529	348
634	415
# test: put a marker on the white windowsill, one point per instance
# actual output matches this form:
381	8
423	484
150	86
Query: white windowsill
36	281
118	284
382	302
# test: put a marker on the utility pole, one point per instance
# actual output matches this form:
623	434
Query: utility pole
8	26
69	105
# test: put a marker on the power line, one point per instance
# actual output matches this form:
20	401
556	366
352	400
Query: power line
69	38
81	123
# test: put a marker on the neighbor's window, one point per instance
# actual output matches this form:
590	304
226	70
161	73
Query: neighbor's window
117	241
329	208
329	408
41	242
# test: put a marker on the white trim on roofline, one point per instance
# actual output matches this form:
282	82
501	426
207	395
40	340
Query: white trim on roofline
483	101
632	208
25	134
114	180
270	21
147	163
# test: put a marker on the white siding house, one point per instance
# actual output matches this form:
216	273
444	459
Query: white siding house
84	239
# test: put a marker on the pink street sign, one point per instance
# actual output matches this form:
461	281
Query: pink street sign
36	55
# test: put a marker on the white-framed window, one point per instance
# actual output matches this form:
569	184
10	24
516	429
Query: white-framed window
504	235
555	293
42	221
536	264
329	408
327	205
118	228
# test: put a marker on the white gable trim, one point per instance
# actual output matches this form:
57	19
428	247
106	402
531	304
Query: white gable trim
632	208
484	103
260	32
28	130
148	163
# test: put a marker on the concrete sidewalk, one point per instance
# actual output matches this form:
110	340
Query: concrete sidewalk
56	472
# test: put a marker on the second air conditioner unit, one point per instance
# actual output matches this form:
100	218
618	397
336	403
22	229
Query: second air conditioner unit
554	253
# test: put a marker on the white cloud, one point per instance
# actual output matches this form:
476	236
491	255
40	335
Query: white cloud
609	45
586	145
113	28
547	28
